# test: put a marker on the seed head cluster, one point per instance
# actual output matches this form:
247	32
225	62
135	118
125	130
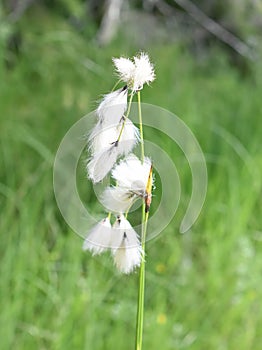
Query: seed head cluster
110	146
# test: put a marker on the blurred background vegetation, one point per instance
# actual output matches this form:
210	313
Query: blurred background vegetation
204	287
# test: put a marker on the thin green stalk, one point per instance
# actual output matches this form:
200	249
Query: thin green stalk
141	286
141	127
127	114
115	85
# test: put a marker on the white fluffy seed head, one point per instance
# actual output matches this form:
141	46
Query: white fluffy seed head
105	149
129	137
129	253
101	163
135	73
113	106
131	174
99	238
117	200
102	138
125	68
131	178
144	72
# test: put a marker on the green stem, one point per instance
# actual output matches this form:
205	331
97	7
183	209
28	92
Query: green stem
141	127
141	286
127	114
115	85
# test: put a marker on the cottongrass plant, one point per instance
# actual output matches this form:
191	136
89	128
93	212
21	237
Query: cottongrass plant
110	146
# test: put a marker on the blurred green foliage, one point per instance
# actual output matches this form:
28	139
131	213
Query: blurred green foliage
203	288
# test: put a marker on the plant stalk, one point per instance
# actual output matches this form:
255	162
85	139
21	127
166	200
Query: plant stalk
126	117
141	286
141	127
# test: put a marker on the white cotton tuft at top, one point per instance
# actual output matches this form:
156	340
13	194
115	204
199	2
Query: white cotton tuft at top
127	250
99	238
144	71
135	73
125	68
113	106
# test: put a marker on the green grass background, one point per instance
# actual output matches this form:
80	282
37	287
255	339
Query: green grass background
203	288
